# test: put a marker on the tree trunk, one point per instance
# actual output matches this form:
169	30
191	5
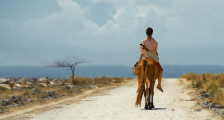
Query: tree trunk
73	74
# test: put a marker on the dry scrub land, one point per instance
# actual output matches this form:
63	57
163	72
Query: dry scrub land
16	94
209	90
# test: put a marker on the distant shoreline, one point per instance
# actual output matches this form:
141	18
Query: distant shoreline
170	71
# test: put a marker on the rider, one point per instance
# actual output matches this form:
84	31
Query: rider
148	49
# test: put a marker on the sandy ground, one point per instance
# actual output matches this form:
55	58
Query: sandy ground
119	104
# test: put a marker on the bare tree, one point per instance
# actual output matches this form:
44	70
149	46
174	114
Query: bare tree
70	62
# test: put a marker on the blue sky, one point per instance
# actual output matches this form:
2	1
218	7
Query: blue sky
37	32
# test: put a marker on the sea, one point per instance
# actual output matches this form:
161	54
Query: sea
170	71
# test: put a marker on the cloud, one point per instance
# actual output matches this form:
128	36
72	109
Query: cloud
102	31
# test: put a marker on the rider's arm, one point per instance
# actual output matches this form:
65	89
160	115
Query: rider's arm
141	49
156	45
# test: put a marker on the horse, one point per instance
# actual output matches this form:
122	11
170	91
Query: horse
147	72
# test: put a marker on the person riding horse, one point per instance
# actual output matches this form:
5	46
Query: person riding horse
148	49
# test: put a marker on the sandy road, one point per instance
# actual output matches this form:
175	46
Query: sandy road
118	104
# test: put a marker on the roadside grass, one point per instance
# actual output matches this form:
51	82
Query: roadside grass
86	81
211	83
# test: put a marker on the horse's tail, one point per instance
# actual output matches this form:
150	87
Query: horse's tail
142	84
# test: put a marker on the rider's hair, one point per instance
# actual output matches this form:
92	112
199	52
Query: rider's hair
149	31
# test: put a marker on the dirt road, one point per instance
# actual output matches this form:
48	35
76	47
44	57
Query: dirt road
119	104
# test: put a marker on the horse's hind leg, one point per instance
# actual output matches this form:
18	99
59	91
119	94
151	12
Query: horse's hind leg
149	103
146	102
147	95
152	94
152	104
149	90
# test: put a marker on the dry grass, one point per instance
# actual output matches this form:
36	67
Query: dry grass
211	83
86	81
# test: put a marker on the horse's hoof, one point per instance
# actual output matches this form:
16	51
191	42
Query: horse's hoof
153	106
146	107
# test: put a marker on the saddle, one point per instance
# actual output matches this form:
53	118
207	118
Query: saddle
140	62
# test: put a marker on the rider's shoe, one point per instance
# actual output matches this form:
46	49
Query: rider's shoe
160	88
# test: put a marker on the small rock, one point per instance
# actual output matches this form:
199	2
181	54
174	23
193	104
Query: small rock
211	105
17	86
51	86
219	106
5	87
17	99
50	98
93	86
204	104
220	112
15	105
29	100
67	87
205	94
4	80
36	91
198	103
77	89
214	109
43	80
29	83
22	80
26	93
197	109
56	80
1	111
51	83
6	102
40	84
67	83
51	93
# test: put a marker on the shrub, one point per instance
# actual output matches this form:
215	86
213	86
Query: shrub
197	83
212	83
218	97
212	87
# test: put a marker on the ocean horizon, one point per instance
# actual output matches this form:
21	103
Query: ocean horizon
170	71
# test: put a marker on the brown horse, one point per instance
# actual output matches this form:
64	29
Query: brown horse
147	72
